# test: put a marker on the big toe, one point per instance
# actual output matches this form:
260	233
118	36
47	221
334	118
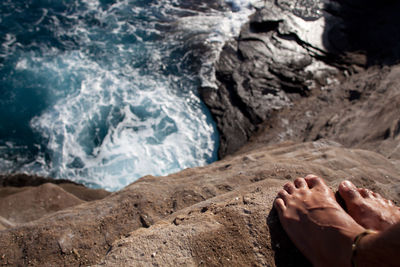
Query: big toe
348	191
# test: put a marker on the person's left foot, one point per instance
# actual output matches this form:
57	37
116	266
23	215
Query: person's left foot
316	223
368	208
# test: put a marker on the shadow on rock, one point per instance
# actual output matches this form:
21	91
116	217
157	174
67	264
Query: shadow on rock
368	32
286	254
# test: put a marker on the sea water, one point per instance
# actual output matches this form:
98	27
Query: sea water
103	92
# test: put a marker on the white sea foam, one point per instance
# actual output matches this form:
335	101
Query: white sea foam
224	27
118	113
149	129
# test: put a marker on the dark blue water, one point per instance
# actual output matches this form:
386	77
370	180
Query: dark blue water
104	91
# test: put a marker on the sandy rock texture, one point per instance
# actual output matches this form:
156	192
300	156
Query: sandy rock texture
214	215
31	204
25	198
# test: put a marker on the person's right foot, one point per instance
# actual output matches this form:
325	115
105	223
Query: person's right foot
367	208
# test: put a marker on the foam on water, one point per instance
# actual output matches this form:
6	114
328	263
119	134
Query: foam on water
104	92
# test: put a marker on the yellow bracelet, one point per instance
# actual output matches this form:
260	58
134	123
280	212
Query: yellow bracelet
356	242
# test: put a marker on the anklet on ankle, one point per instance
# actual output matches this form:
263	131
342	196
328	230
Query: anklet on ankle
355	244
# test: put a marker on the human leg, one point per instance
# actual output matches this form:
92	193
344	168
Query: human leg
379	249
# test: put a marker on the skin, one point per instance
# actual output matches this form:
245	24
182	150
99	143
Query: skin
380	249
324	232
367	208
316	223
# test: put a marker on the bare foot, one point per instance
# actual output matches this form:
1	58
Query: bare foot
316	223
367	208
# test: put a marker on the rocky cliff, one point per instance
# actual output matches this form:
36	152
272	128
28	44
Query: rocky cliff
308	87
215	215
296	51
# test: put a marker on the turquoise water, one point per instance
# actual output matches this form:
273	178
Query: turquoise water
103	92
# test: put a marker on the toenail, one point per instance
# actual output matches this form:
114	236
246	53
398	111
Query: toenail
300	182
289	187
347	184
365	192
283	194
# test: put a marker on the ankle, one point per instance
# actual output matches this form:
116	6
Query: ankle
362	257
340	254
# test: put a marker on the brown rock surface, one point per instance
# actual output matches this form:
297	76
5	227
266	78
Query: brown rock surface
10	184
33	203
25	198
212	215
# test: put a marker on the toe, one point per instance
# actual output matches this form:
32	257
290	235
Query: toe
377	195
313	181
365	192
279	205
348	191
300	183
289	187
389	202
283	194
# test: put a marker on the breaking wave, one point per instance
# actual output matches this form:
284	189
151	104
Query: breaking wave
103	92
